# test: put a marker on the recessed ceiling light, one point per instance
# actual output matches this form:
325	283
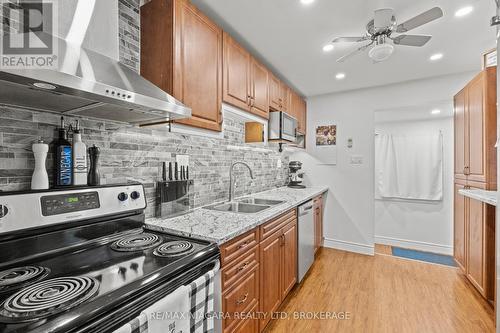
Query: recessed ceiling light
436	56
328	47
436	111
307	2
340	76
464	11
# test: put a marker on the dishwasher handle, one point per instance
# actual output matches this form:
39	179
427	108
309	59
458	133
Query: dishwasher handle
305	208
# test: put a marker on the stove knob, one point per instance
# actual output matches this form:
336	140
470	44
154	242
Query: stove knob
135	195
122	196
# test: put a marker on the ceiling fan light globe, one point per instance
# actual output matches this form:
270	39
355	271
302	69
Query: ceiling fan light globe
381	52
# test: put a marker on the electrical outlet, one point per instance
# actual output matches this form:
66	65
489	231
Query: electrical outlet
182	160
278	164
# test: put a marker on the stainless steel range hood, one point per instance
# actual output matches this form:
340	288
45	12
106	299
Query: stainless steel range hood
88	83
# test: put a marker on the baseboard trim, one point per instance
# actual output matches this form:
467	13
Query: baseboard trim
415	245
349	246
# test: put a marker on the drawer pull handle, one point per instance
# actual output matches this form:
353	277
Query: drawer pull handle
243	300
243	245
242	267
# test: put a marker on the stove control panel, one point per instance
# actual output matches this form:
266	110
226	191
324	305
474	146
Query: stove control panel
26	210
69	203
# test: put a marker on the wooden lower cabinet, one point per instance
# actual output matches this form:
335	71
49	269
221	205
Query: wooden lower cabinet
318	222
459	230
474	237
278	257
239	301
271	258
259	269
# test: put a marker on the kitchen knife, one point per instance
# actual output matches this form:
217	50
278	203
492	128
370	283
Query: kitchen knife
170	171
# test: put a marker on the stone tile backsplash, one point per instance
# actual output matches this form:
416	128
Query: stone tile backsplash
136	154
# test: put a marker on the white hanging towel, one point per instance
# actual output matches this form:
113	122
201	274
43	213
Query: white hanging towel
409	167
170	314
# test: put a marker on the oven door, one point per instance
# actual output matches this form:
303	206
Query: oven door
133	308
288	127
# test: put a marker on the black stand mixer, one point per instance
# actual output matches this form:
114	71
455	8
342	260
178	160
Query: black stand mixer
295	175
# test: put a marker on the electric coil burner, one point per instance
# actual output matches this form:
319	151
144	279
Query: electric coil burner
15	278
173	249
80	260
48	298
137	242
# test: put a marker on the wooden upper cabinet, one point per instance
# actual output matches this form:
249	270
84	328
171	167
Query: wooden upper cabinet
460	134
274	93
245	79
302	116
236	74
259	86
476	168
181	52
475	130
285	97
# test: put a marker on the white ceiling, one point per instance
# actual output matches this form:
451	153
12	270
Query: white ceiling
288	36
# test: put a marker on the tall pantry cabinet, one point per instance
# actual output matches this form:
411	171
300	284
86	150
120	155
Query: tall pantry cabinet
475	168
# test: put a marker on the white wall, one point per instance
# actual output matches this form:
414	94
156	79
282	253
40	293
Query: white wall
420	225
350	205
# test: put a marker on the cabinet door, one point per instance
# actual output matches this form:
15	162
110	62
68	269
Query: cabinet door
259	89
459	227
461	134
270	275
317	228
289	258
476	244
302	118
198	66
476	120
236	74
274	93
284	97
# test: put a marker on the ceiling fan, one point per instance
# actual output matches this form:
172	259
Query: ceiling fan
383	27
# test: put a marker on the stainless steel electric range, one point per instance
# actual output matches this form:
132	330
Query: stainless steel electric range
80	260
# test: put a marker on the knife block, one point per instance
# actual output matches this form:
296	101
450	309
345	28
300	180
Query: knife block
174	198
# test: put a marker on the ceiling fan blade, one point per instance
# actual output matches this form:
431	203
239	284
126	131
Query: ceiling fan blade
349	39
417	21
383	18
356	51
411	40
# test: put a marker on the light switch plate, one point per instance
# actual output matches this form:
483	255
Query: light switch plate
356	159
278	164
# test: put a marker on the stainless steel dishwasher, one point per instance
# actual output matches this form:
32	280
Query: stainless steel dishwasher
306	238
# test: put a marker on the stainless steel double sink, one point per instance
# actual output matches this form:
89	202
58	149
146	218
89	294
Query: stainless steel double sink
245	205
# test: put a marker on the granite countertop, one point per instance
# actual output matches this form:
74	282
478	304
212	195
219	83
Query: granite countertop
489	197
221	227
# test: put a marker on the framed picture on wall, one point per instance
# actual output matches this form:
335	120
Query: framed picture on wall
325	149
326	135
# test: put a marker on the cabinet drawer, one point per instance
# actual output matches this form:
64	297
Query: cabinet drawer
276	224
238	246
240	299
247	323
239	267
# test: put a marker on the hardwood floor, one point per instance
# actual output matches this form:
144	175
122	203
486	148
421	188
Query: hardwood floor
384	294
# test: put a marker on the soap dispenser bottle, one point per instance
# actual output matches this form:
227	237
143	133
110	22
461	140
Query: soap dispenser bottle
63	158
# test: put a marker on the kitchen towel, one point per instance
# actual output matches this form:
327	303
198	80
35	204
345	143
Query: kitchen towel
409	167
170	314
202	303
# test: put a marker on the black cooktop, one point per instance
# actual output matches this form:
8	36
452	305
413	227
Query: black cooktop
88	270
